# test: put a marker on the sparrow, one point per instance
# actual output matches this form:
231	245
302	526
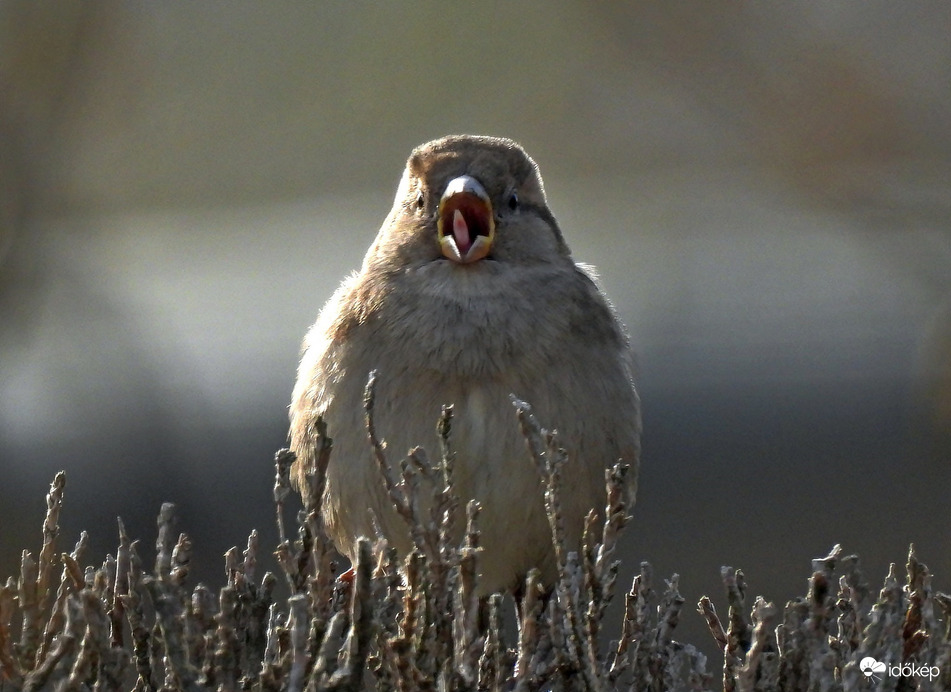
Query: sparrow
467	296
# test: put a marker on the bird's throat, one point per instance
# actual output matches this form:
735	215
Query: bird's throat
466	225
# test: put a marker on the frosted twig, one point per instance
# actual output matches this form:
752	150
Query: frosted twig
163	543
9	666
47	557
283	460
764	615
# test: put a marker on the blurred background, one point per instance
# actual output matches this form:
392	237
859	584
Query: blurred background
765	188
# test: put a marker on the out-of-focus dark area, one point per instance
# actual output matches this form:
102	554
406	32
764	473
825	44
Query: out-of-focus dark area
765	188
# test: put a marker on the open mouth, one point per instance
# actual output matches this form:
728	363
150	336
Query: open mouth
465	225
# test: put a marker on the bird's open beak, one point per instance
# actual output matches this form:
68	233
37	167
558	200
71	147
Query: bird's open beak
466	225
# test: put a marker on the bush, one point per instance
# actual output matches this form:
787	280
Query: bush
418	625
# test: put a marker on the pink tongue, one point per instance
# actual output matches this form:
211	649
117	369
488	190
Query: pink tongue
460	231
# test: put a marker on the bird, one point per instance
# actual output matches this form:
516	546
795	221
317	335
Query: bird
468	296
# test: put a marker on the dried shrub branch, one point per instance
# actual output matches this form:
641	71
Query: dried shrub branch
417	623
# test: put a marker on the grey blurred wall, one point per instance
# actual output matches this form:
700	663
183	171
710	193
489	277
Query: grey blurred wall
765	188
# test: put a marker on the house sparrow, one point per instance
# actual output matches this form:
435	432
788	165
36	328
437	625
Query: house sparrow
467	296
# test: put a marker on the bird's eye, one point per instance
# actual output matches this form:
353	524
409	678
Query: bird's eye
420	200
513	201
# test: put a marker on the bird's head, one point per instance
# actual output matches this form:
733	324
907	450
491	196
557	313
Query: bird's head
470	202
